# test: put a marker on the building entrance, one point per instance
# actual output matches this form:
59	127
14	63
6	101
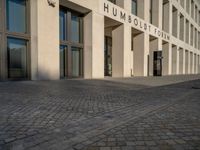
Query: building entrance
157	63
108	56
76	62
71	43
70	62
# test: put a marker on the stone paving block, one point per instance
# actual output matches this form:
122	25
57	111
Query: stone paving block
93	114
105	148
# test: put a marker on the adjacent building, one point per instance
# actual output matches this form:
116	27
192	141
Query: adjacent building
55	39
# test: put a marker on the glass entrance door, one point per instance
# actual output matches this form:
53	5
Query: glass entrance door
108	56
157	63
70	62
76	62
63	61
71	39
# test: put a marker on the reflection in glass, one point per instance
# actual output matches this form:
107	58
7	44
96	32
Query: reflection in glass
62	25
16	15
75	29
76	62
17	61
134	7
63	51
108	56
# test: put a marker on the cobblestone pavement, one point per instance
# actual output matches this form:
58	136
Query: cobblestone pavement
98	115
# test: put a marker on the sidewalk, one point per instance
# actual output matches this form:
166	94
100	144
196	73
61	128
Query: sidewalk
155	81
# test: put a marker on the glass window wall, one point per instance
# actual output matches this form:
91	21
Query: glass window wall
16	15
63	25
71	47
15	37
17	58
134	7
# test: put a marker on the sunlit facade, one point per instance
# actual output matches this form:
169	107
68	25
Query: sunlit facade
57	39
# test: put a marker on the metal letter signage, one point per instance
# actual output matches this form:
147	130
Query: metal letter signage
52	3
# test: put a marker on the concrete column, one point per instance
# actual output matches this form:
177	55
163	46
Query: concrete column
192	9
44	40
175	60
191	35
157	15
181	61
195	64
175	23
198	64
167	22
154	45
199	40
178	25
188	6
187	33
167	59
121	51
141	47
187	62
182	2
191	63
182	28
93	45
143	9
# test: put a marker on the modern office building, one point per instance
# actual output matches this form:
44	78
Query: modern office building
55	39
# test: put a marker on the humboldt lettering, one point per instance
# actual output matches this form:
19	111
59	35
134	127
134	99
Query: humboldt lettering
106	7
123	16
114	12
133	20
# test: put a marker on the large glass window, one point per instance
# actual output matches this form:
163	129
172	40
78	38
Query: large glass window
76	61
71	33
17	58
108	56
134	7
63	52
75	28
16	15
63	25
15	37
